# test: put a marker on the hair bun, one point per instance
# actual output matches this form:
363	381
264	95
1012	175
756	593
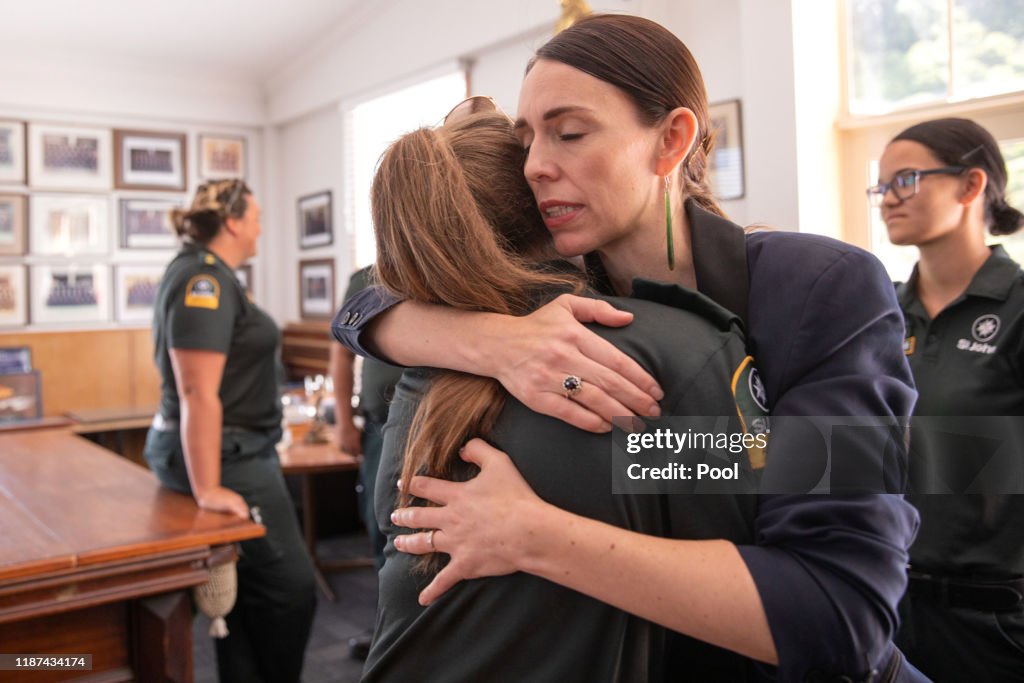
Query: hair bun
1006	220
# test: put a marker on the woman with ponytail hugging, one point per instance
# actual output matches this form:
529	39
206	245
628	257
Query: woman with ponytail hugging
942	184
219	422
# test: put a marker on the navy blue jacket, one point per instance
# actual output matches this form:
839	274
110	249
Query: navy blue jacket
826	330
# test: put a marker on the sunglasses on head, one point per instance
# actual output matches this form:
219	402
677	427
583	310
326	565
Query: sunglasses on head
477	104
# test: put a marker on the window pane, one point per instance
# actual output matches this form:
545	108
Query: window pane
899	53
988	53
377	123
1013	152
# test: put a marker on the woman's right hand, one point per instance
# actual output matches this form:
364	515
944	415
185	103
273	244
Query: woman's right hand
220	499
532	355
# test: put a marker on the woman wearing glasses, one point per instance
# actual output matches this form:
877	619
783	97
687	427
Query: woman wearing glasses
219	422
943	183
617	147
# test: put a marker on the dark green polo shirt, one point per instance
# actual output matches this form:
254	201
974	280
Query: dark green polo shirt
378	379
968	362
201	305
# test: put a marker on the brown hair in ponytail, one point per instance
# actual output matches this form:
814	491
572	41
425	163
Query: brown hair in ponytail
456	224
214	203
655	69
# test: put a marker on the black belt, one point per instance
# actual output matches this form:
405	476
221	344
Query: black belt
161	424
986	596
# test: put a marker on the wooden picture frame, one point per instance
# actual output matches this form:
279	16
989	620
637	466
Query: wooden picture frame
68	225
21	397
316	289
146	223
725	167
135	287
68	293
150	160
316	215
13	224
69	157
221	156
12	152
13	296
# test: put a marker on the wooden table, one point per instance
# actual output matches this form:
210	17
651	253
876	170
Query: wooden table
306	461
95	557
122	430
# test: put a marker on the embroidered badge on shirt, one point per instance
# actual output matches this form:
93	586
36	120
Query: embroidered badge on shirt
203	291
984	330
752	407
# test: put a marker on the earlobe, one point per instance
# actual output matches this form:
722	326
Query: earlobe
679	134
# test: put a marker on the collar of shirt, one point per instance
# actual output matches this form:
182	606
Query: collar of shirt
994	280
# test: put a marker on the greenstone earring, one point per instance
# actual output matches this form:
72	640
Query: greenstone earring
668	226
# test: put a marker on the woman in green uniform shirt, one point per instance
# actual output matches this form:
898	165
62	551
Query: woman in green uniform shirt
942	183
219	422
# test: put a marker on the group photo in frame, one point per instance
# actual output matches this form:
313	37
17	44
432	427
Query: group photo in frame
316	288
315	216
13	296
149	160
146	223
15	359
69	157
21	397
70	293
135	288
725	167
221	156
13	212
69	224
12	152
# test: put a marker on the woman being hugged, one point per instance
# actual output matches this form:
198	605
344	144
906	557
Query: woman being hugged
943	184
613	115
219	422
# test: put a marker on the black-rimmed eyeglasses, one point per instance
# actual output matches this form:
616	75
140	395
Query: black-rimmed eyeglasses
906	183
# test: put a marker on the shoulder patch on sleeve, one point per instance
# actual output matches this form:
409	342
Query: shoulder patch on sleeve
752	407
203	291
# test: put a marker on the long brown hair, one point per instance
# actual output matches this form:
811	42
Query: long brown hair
655	70
456	224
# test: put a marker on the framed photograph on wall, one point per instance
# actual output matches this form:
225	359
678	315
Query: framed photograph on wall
70	293
13	211
15	359
21	397
13	296
146	223
221	156
725	167
68	157
315	228
145	160
12	152
316	288
135	291
244	275
69	224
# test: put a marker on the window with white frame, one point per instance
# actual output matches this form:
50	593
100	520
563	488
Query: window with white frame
912	52
375	123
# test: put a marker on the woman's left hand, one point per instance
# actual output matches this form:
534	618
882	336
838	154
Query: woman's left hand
483	523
